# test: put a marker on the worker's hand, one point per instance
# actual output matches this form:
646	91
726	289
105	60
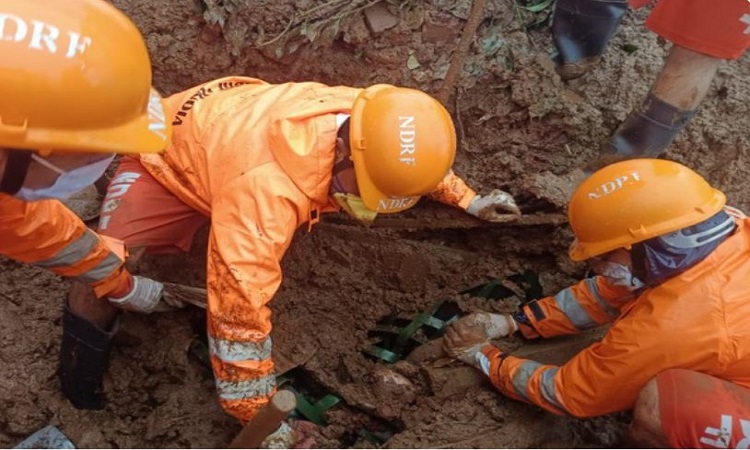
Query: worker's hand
146	296
492	326
300	434
497	206
463	341
466	337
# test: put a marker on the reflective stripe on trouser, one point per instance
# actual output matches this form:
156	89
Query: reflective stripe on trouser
522	377
571	307
77	251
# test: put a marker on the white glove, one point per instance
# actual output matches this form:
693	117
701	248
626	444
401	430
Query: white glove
283	437
493	326
494	207
146	296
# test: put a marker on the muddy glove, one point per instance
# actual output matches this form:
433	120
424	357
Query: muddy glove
465	338
581	30
492	326
84	358
300	434
646	133
146	296
493	207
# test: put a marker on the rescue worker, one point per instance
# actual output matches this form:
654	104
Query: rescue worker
704	32
76	89
673	279
257	161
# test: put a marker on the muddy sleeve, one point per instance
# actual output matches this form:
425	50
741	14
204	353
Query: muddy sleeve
604	378
588	304
249	235
453	191
49	235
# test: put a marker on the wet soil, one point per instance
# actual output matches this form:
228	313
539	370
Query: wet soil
520	129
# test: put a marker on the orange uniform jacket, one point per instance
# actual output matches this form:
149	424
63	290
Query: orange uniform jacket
698	320
48	235
257	159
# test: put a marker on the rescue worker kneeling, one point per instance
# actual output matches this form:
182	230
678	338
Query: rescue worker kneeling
75	79
673	265
257	161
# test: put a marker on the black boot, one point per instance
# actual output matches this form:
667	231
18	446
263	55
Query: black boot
646	133
581	30
84	358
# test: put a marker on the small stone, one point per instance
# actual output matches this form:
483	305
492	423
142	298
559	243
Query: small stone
379	18
432	32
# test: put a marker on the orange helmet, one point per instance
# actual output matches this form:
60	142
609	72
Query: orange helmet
403	143
76	76
632	201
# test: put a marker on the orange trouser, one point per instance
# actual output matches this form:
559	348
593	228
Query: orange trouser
141	212
718	28
701	411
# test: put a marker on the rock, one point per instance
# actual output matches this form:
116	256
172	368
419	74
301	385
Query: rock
392	387
447	381
379	18
432	32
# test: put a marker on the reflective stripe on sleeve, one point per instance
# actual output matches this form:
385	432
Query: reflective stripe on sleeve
71	253
101	270
548	388
231	351
594	289
238	390
569	305
522	376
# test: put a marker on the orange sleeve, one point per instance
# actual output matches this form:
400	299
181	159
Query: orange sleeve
604	378
588	304
453	191
49	235
252	223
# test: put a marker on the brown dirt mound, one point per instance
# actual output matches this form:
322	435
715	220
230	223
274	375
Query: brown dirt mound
520	129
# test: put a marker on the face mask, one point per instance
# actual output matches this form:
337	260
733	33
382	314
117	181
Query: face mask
620	275
354	207
68	183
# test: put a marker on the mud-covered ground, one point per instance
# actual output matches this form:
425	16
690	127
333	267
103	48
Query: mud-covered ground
520	128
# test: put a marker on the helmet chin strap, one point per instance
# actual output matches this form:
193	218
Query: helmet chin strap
345	163
16	167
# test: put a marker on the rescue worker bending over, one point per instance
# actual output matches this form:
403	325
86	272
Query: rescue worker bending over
704	32
257	161
673	267
76	89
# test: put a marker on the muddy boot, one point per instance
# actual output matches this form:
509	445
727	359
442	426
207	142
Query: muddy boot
646	133
84	358
581	30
